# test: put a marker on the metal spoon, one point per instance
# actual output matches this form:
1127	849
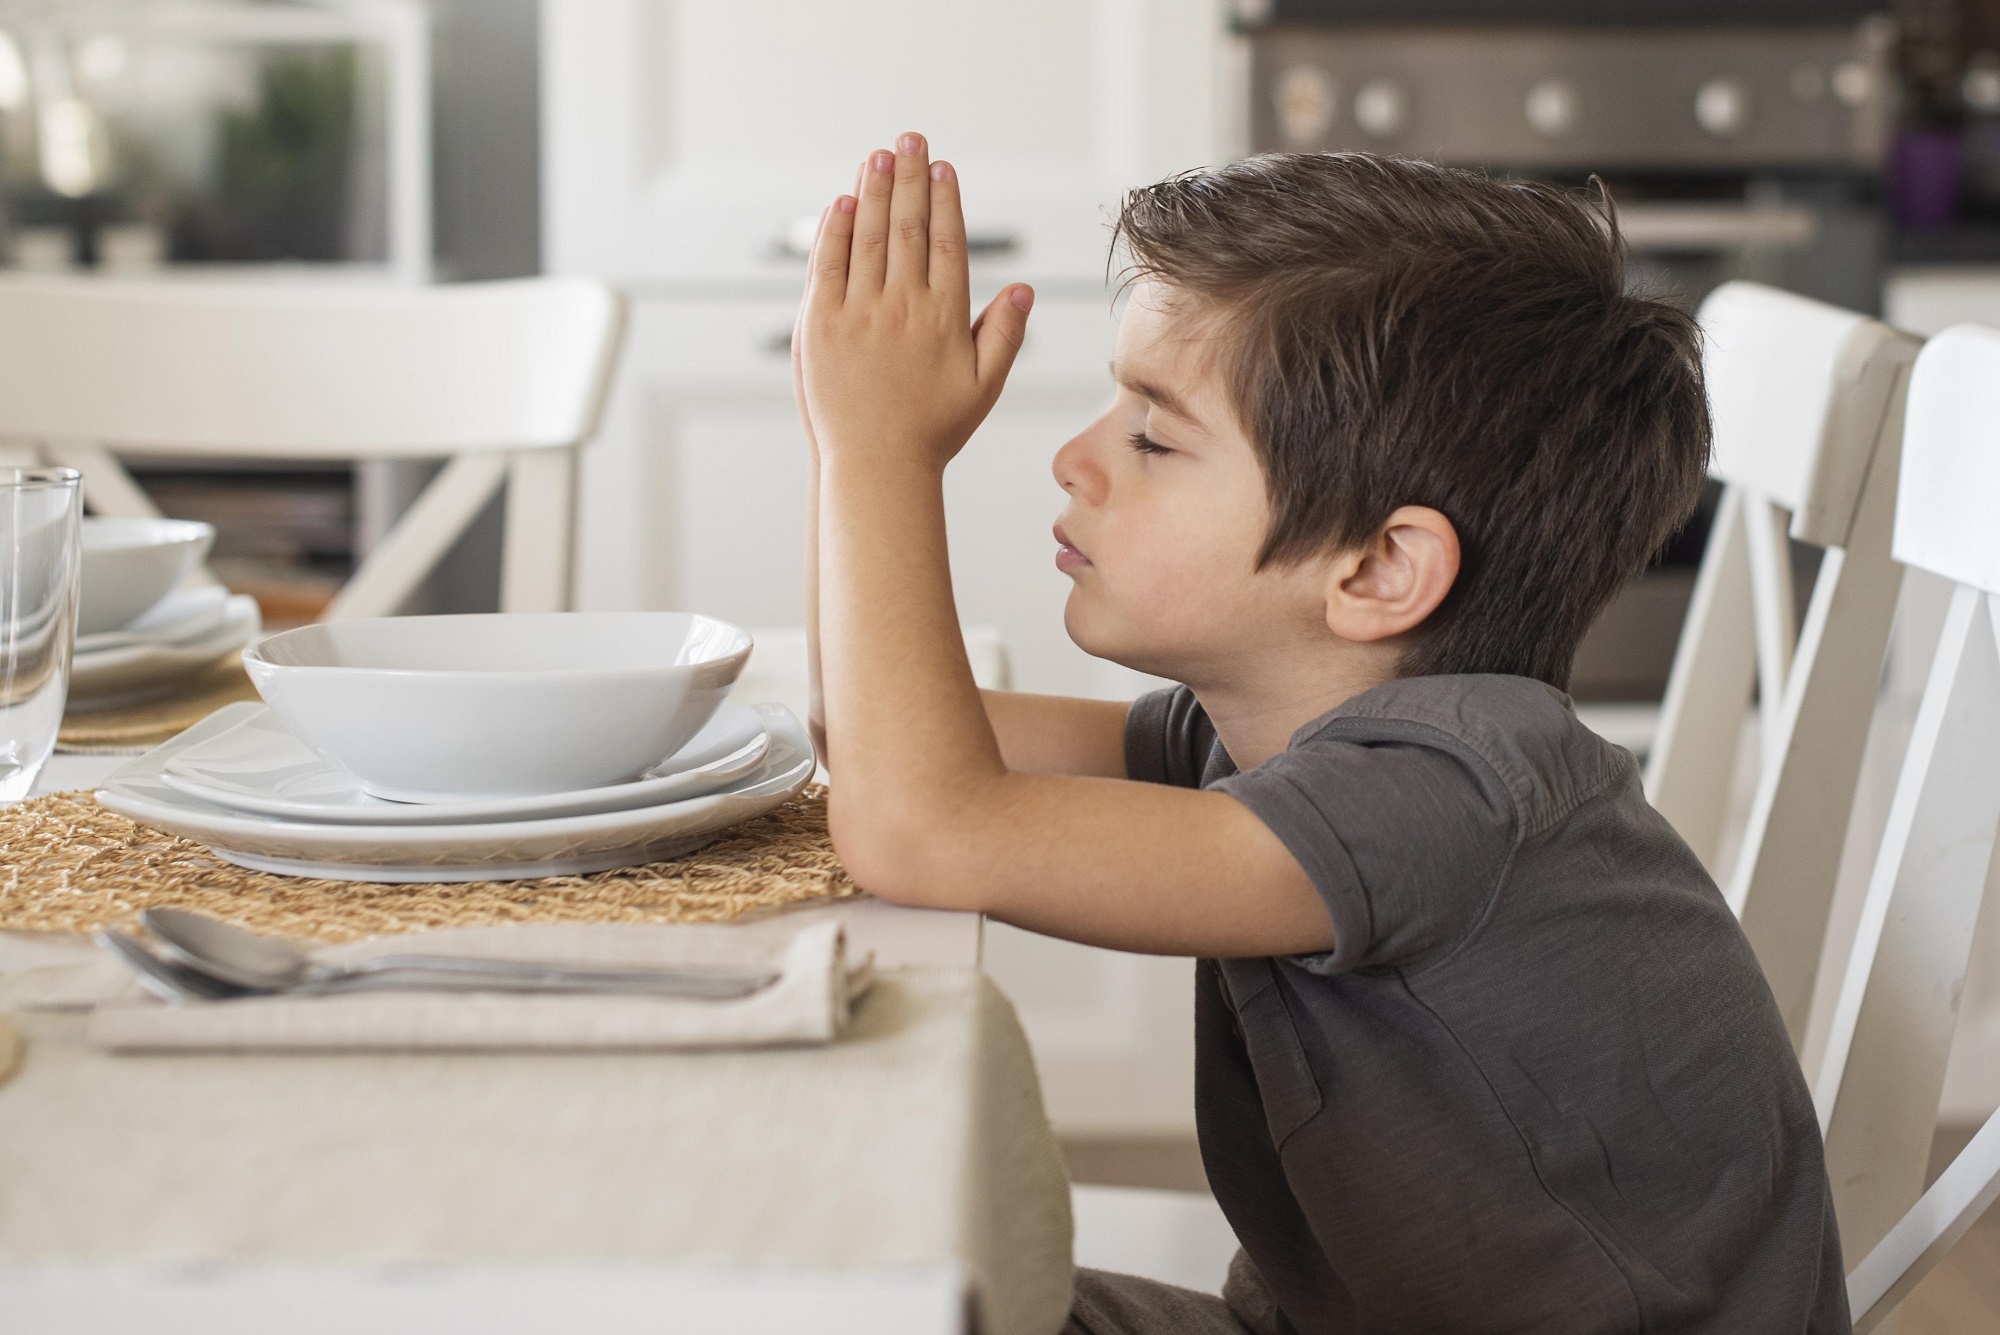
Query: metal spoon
175	982
164	978
246	960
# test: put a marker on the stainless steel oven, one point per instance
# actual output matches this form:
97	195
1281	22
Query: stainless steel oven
1732	151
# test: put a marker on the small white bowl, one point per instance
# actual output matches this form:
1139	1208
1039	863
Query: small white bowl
446	708
129	565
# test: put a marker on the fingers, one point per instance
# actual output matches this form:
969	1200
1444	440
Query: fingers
829	271
949	275
869	262
910	213
998	334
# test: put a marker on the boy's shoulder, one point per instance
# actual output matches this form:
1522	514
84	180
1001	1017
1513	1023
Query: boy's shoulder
1520	734
1523	731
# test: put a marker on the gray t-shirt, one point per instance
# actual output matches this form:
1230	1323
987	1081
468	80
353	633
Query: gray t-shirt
1539	1083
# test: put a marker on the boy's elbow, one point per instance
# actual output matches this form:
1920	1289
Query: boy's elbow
891	857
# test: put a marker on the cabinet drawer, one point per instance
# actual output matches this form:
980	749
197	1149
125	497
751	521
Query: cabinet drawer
685	142
744	346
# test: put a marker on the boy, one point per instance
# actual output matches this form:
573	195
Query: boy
1479	1047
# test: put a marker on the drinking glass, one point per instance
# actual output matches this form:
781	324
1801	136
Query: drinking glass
40	540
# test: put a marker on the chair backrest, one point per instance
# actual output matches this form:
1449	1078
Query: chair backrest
507	378
1806	402
1798	390
1880	1083
305	370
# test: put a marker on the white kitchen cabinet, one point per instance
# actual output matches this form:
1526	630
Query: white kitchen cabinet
683	139
684	142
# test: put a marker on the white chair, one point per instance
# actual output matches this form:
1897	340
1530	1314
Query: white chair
1880	1082
1807	405
507	379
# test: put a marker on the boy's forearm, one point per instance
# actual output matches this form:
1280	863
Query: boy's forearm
1051	734
904	716
1036	733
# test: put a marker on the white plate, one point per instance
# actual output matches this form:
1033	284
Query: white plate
121	676
258	766
189	614
560	846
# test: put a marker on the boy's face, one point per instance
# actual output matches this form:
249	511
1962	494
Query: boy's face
1168	510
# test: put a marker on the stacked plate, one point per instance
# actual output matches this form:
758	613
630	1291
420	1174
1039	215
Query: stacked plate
140	635
475	748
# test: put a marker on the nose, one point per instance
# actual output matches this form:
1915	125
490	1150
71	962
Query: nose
1078	470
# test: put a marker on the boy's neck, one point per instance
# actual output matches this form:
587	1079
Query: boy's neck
1255	714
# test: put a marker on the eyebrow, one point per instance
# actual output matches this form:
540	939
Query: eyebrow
1158	395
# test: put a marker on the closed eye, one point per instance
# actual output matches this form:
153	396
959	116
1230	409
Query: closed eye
1145	444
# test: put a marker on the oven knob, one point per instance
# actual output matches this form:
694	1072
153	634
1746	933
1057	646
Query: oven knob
1853	82
1307	100
1381	108
1722	107
1980	88
1551	108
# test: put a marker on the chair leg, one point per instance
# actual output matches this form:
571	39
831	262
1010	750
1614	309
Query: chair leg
1694	752
1798	818
541	504
1883	1071
1771	591
107	487
1912	1249
411	549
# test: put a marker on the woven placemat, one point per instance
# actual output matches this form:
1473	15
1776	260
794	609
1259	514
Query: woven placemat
141	727
69	865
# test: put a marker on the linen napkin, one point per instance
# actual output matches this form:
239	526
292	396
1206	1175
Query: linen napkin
809	1003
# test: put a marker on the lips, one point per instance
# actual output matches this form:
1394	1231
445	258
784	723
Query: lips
1068	558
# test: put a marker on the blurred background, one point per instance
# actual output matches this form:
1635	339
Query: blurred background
1846	149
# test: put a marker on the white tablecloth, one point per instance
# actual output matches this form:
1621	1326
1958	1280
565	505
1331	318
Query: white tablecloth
889	1182
67	771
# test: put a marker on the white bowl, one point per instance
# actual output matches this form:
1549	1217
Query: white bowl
131	564
446	708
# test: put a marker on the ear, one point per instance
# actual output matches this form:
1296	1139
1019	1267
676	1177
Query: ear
1391	584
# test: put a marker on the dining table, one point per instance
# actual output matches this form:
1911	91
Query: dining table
902	1178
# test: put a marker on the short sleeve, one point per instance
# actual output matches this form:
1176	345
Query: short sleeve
1404	833
1168	739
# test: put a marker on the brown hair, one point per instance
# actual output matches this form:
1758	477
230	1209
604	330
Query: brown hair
1407	334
